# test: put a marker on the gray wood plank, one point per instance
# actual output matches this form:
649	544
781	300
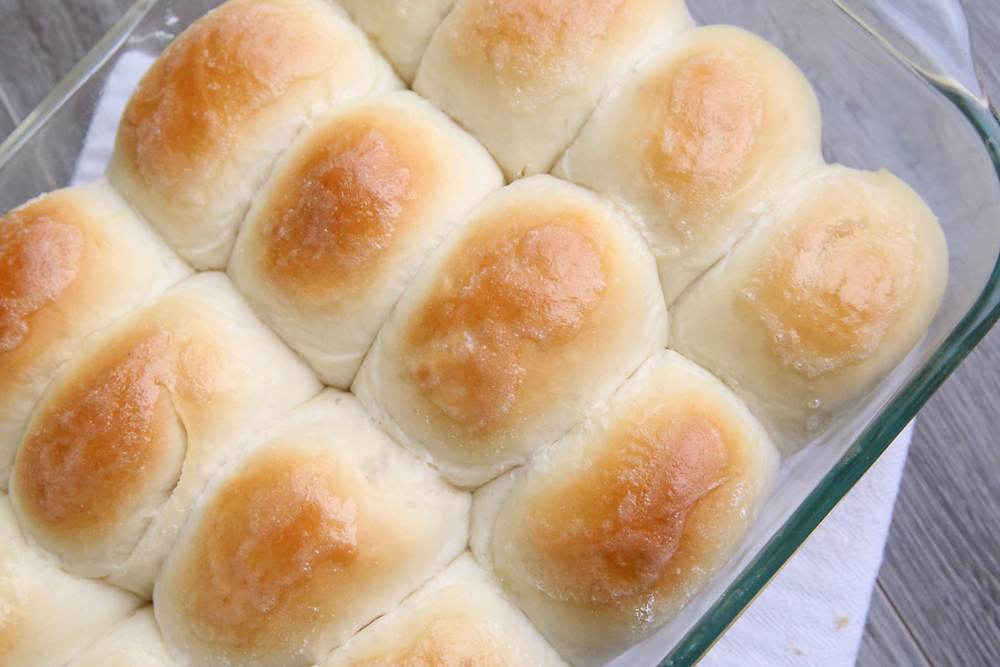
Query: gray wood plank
941	572
942	565
40	40
887	641
7	123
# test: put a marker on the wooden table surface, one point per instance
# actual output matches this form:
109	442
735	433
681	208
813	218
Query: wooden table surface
938	597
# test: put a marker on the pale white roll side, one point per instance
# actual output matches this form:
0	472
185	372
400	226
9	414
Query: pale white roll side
401	29
460	617
524	75
705	132
346	219
815	307
539	305
212	114
135	643
321	528
71	263
609	533
47	616
128	433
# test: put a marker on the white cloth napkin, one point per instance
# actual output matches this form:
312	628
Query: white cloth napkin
100	139
813	614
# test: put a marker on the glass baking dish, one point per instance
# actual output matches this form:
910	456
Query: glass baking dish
897	88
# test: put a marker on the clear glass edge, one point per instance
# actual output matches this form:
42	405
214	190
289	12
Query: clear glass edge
983	315
942	56
75	78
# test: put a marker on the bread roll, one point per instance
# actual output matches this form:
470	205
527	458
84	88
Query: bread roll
46	615
536	308
523	75
706	131
228	95
402	29
323	527
815	307
124	439
135	643
613	530
71	262
346	219
459	618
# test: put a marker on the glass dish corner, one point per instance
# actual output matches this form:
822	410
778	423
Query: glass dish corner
891	97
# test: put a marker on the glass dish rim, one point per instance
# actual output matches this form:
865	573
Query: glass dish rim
880	433
849	469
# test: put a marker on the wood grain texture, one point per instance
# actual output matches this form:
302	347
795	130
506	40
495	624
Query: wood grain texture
942	565
941	575
40	40
7	123
887	641
938	599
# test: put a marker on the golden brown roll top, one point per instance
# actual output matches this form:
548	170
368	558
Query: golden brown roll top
459	618
705	132
523	75
135	643
207	121
124	439
608	534
817	306
71	262
402	29
346	219
47	616
537	307
323	527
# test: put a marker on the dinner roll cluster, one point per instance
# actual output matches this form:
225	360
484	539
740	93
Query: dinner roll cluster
524	75
819	302
349	214
535	310
127	435
461	617
43	622
327	372
206	123
630	513
63	262
698	140
324	526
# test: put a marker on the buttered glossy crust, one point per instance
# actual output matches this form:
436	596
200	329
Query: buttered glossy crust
322	527
523	75
293	523
609	533
121	444
71	262
706	131
541	304
401	29
461	618
814	308
348	217
42	619
285	540
216	108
